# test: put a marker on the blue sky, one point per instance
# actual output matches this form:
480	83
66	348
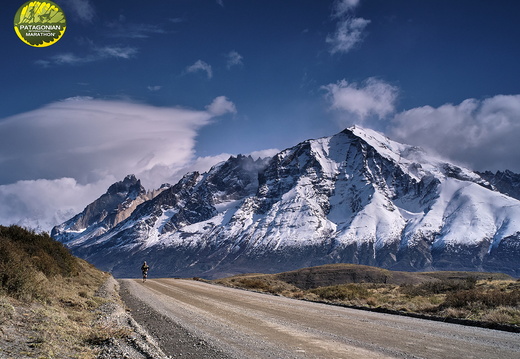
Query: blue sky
158	88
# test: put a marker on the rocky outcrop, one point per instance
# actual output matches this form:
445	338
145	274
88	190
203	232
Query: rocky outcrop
506	182
113	207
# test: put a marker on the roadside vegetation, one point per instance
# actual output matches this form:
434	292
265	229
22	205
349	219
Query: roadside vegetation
488	297
48	302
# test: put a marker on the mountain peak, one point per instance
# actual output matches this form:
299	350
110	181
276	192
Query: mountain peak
112	207
129	184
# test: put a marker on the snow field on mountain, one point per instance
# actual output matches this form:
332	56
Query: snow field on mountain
154	233
472	214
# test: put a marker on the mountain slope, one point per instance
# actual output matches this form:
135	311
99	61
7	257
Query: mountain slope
354	197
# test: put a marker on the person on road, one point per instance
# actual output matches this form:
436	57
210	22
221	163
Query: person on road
144	269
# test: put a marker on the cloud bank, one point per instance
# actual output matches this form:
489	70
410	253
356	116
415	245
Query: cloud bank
87	139
41	204
57	159
482	134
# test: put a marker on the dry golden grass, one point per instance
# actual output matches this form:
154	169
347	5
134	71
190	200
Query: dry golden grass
48	302
260	283
60	326
6	309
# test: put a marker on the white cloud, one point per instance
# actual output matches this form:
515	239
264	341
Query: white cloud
234	59
264	153
82	9
342	7
95	54
154	88
200	65
123	29
87	139
348	33
220	106
373	97
172	174
349	29
135	31
220	2
123	52
482	134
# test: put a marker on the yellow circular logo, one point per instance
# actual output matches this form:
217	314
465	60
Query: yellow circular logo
40	23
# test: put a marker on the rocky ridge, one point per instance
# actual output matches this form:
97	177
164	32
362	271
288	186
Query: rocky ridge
506	182
113	207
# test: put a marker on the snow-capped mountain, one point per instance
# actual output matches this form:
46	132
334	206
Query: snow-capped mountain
353	197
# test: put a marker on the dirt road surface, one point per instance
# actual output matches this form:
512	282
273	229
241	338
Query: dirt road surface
231	323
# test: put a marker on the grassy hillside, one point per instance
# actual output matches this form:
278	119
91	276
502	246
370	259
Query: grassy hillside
488	297
47	298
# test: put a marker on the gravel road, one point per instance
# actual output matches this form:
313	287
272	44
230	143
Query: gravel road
191	319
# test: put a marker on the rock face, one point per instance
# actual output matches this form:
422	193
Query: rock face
355	197
506	182
113	207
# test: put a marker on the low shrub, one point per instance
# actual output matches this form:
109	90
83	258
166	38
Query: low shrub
503	315
28	260
46	255
488	299
255	284
18	277
438	287
341	292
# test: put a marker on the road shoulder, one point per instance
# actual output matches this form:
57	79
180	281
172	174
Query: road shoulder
137	343
174	340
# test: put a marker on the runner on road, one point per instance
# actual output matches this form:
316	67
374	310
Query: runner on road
144	269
